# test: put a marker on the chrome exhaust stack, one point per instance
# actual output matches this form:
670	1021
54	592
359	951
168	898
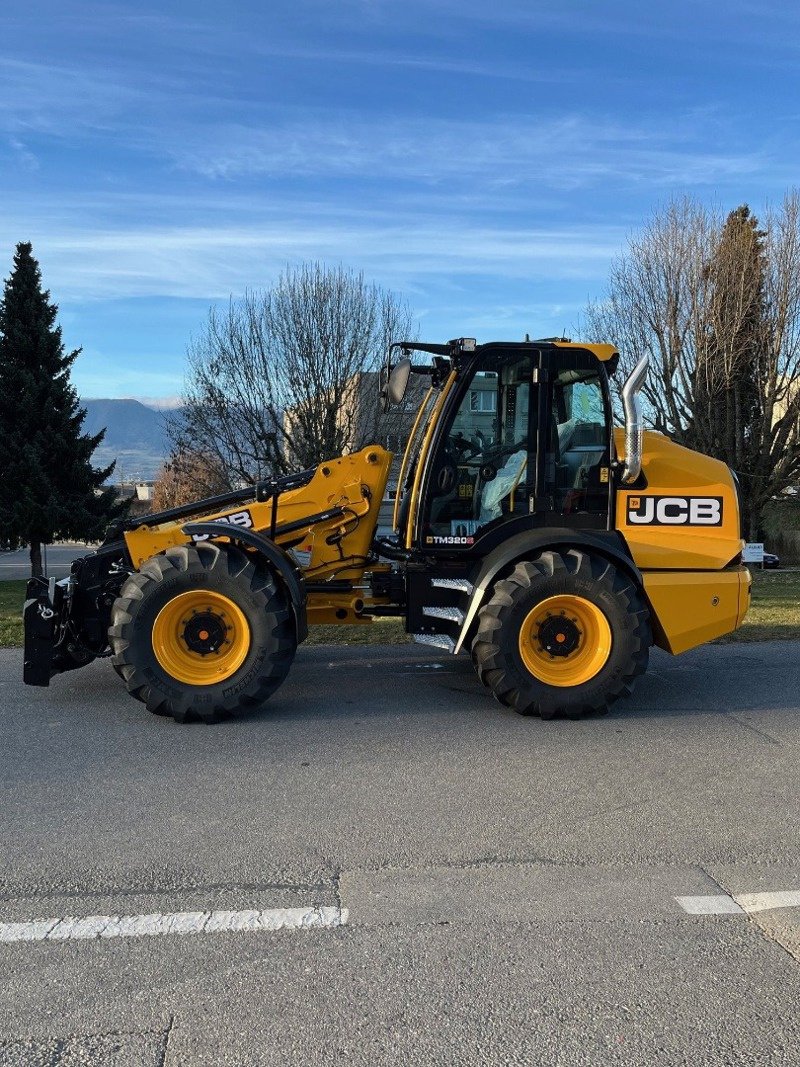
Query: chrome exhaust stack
634	422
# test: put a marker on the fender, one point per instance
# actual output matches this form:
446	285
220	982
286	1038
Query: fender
279	560
608	543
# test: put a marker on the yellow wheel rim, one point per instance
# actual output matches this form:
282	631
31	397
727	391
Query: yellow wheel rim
201	637
565	641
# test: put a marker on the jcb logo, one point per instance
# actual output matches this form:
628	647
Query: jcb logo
239	518
675	510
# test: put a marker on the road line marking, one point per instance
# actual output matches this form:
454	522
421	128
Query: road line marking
93	927
720	904
739	903
790	898
35	931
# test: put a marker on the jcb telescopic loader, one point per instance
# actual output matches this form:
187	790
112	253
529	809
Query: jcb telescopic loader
527	531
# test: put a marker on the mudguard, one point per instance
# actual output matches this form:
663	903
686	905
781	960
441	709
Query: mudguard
606	543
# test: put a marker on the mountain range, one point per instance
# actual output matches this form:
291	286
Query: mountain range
136	437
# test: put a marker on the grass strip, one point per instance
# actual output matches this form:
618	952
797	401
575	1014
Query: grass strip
12	597
774	614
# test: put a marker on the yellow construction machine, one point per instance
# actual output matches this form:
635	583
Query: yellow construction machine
528	532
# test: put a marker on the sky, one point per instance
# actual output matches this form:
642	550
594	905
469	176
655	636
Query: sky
484	161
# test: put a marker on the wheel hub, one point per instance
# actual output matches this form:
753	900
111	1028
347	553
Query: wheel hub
201	637
565	640
559	635
205	632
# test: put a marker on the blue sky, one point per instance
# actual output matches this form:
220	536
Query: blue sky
486	161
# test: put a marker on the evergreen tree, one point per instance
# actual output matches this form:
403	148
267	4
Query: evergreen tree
48	487
728	409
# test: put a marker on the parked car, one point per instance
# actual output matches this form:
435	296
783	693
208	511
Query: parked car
771	561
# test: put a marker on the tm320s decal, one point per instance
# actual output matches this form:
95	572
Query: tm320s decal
674	510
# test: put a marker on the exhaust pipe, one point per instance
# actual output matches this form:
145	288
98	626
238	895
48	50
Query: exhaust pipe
634	424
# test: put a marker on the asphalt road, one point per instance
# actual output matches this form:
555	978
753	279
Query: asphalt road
510	885
58	559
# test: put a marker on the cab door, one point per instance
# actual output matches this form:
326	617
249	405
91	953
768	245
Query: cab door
483	470
574	431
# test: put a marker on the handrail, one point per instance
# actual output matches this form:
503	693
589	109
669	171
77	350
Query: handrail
407	456
413	511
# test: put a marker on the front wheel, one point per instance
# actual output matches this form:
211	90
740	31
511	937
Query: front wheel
201	632
567	633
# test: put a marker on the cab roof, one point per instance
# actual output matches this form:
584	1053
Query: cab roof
465	346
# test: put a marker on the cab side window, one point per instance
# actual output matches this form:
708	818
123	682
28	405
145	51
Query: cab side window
577	461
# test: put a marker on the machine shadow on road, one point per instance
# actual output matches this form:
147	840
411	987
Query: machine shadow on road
331	683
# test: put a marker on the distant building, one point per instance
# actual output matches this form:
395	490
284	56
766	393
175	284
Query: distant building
138	490
779	412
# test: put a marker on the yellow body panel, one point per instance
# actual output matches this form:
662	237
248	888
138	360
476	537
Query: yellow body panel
603	352
676	473
695	594
692	607
335	549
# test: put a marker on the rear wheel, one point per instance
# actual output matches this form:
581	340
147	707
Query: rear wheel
201	632
567	633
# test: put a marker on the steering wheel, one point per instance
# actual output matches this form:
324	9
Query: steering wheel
446	475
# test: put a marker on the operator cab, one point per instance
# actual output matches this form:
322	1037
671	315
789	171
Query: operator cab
514	436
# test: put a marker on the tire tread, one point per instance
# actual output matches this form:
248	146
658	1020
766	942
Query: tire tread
233	567
508	680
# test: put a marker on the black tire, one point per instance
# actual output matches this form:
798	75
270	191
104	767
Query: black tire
496	646
138	694
219	569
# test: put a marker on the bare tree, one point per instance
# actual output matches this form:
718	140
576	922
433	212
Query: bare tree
716	304
185	477
275	382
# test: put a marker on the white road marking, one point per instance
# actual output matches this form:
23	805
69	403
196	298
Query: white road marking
766	901
739	903
180	922
721	904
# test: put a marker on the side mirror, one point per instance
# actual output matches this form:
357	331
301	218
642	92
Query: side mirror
395	388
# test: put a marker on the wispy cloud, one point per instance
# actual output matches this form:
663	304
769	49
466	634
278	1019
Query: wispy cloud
165	119
385	58
22	154
764	21
59	100
213	262
566	151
